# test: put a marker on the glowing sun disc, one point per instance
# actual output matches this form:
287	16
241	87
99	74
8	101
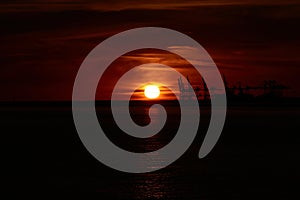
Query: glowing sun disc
151	91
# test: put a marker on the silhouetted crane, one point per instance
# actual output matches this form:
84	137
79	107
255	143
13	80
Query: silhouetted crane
270	88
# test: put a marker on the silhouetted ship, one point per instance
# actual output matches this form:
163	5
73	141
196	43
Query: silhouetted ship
269	90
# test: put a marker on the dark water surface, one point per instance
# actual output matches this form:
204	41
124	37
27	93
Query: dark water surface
257	156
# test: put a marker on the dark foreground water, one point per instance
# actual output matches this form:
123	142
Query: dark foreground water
256	157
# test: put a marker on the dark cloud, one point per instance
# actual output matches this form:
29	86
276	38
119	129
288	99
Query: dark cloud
118	5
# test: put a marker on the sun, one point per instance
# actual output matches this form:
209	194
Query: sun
151	91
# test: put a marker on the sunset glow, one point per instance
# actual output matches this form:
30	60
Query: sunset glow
259	35
151	91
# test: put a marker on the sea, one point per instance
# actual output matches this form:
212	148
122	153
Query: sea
256	157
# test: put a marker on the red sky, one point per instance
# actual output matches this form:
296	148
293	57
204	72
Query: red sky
43	43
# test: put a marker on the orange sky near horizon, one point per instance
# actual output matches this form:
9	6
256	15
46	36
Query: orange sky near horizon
135	58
